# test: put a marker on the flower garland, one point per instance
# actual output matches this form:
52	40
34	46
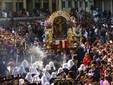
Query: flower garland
47	24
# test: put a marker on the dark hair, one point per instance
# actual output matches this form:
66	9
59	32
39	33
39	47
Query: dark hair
71	74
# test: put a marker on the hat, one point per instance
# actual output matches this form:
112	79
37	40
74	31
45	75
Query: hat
36	78
51	63
60	70
47	67
70	64
44	70
47	83
21	81
90	74
82	67
53	75
65	65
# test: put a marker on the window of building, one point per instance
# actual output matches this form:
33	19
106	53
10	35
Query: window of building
37	4
86	4
54	5
63	4
46	5
76	4
69	4
0	5
19	6
38	1
9	5
80	3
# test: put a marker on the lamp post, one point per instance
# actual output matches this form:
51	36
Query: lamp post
24	4
60	4
50	5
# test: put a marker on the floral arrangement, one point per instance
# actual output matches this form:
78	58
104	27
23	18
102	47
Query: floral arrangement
47	24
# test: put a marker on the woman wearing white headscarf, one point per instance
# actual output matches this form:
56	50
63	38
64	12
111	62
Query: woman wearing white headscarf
72	67
53	77
82	68
29	77
15	71
65	68
46	75
22	70
70	64
36	79
47	83
33	70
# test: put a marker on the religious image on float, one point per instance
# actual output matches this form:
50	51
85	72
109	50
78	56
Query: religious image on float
60	28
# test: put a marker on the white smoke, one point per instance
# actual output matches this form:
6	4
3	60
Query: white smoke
37	55
37	52
25	63
38	64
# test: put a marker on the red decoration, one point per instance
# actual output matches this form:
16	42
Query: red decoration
61	44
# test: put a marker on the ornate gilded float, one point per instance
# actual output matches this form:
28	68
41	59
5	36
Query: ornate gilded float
60	30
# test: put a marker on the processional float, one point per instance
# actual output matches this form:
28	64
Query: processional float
60	31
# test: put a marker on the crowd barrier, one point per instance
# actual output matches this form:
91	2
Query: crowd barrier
22	18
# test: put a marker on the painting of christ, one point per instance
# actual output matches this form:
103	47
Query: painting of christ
60	28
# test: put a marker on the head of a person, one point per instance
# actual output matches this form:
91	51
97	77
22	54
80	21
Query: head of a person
74	57
47	83
87	55
60	72
53	75
70	64
71	74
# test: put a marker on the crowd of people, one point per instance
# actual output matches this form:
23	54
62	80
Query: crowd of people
89	62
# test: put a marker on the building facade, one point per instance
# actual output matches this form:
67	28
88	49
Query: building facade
104	5
54	5
16	5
